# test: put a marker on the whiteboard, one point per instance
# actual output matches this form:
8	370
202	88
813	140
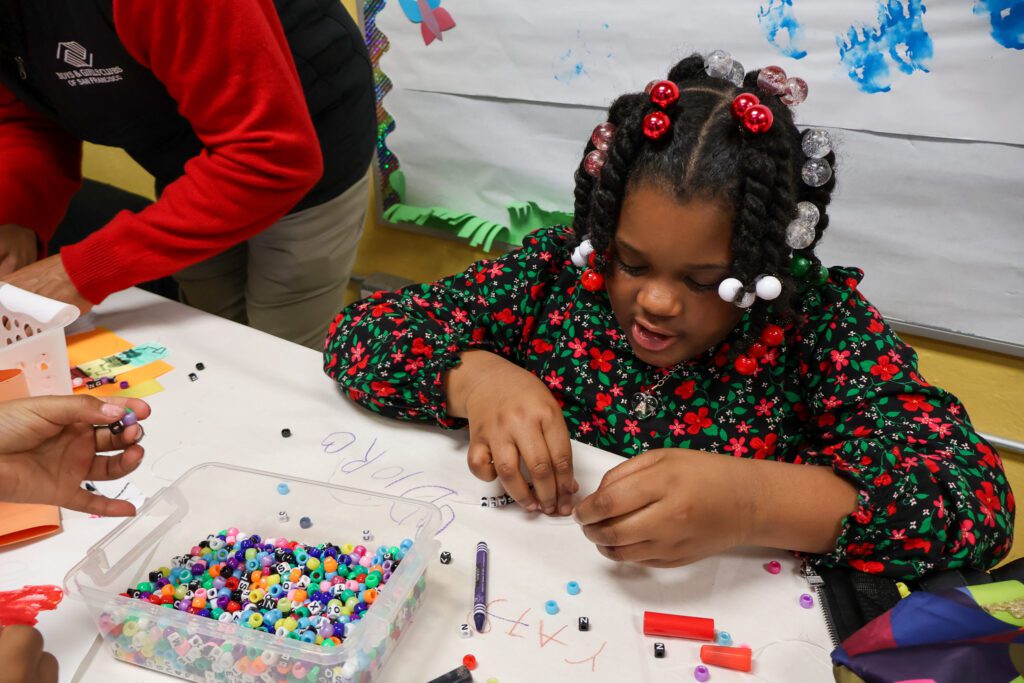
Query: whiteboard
920	95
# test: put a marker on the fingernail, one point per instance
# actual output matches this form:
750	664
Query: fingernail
532	507
549	510
111	410
566	510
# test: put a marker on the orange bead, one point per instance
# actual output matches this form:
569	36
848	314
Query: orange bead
256	576
257	667
295	575
377	568
214	570
299	597
167	590
330	565
199	602
369	596
242	665
336	639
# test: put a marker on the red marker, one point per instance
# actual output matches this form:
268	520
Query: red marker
736	658
678	626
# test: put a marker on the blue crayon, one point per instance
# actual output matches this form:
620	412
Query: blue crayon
480	594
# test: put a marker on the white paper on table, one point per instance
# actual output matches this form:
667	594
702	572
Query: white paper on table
120	489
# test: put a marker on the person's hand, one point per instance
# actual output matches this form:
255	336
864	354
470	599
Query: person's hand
18	248
514	418
48	447
22	659
669	507
48	278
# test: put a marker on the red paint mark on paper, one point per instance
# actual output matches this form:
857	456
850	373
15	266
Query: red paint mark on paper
24	605
592	658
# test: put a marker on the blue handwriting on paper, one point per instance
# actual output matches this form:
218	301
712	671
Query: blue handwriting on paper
370	465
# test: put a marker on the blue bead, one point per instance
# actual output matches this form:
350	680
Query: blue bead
307	637
573	588
305	522
723	638
551	607
283	489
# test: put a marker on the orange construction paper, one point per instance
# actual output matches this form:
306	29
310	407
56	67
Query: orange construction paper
13	385
24	522
101	342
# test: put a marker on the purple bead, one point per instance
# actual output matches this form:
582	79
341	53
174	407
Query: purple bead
162	581
386	577
701	673
204	612
123	385
255	538
360	608
198	568
388	564
330	552
219	582
314	552
806	601
232	563
129	418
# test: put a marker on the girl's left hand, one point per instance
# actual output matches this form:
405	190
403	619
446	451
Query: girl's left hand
669	507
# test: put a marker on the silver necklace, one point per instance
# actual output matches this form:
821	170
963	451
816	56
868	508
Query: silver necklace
645	404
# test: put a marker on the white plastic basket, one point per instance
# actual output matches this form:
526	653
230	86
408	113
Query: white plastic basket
32	339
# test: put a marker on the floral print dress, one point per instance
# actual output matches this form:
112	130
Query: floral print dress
840	391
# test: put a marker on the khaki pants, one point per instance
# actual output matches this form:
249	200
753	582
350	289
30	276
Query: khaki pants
289	280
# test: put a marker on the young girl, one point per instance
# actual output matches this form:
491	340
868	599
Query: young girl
685	322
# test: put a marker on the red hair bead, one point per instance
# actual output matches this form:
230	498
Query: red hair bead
745	365
592	280
758	350
743	102
656	124
664	94
772	335
758	119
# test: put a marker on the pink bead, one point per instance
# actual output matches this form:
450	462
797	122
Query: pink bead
325	586
366	561
602	135
594	162
773	567
230	540
352	585
772	79
796	92
359	550
232	531
196	550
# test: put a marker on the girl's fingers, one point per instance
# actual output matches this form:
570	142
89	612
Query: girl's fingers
480	462
20	650
506	464
111	467
107	441
556	435
95	504
48	670
534	452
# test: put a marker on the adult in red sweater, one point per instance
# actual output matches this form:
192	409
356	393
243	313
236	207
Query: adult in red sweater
261	166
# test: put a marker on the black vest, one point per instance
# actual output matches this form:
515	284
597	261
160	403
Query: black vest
64	59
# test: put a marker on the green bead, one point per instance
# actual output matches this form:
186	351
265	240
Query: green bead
208	582
216	612
372	581
250	553
799	266
345	595
303	612
328	643
393	550
145	587
821	276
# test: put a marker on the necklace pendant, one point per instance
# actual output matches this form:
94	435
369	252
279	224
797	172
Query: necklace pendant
644	405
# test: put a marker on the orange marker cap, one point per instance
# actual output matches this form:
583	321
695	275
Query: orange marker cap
737	658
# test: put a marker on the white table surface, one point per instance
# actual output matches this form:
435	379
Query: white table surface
254	385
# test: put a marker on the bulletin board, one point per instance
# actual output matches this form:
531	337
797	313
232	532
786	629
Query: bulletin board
484	108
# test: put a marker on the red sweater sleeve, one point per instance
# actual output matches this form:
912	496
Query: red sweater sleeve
40	168
228	66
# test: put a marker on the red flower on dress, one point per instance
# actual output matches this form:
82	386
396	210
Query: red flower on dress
840	358
736	446
765	447
986	494
885	369
505	316
677	428
697	421
383	389
579	348
420	348
764	408
685	390
541	345
553	380
918	544
381	309
603	401
599	360
875	326
632	427
356	367
868	567
914	403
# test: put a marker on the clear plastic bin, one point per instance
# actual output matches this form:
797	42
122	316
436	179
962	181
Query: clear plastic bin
212	497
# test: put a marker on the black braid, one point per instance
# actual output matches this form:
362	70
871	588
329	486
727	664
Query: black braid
708	155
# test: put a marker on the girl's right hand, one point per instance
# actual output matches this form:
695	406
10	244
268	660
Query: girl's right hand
514	418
